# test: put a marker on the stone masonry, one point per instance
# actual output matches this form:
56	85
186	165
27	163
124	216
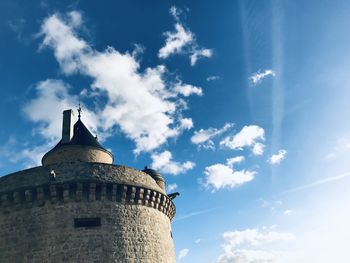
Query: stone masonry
79	207
37	215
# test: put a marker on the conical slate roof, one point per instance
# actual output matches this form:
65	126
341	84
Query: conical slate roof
81	136
77	144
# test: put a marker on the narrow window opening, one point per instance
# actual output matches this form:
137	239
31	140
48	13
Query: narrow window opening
87	222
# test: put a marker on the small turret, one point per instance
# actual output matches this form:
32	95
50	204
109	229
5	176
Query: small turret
77	144
156	176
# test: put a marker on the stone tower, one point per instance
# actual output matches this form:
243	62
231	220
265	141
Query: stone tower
79	207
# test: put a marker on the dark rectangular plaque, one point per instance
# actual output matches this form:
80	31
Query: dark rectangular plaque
87	222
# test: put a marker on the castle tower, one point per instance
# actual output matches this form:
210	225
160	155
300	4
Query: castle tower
79	207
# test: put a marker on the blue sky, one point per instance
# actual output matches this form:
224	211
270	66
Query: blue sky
241	105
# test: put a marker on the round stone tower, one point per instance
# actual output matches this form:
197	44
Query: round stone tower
79	207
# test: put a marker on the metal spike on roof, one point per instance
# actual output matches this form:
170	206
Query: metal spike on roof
79	109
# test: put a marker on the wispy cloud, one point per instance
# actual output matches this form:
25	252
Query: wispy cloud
288	212
163	162
231	161
257	77
175	41
278	88
212	78
200	53
183	253
271	205
196	213
182	41
15	151
17	26
203	137
171	187
340	148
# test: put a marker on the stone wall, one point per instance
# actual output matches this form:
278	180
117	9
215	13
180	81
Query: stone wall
76	191
38	212
128	233
81	153
77	171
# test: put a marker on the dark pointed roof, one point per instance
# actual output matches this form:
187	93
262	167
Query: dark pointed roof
82	147
81	136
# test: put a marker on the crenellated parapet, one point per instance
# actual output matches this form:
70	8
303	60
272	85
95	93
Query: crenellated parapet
60	193
80	207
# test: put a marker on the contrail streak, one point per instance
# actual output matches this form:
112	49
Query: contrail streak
194	214
317	183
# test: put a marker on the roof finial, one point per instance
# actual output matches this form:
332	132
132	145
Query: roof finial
79	108
79	111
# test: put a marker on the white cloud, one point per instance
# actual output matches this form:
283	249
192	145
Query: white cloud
288	212
271	205
203	137
75	18
257	77
187	90
197	241
200	53
249	136
258	148
15	151
182	40
186	123
32	156
254	237
60	36
249	256
252	246
218	176
54	95
183	253
237	159
163	163
171	187
145	106
278	158
209	145
175	12
212	78
175	41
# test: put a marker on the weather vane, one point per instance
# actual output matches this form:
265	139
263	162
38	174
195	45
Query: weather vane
79	108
